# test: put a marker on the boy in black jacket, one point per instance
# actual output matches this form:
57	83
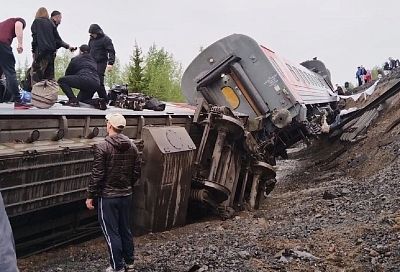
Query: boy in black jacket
102	50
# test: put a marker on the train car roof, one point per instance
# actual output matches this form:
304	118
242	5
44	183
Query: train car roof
7	110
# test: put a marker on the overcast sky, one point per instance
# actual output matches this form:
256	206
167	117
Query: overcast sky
342	33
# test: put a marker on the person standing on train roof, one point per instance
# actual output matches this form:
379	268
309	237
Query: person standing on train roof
102	50
116	168
56	18
9	29
8	259
44	46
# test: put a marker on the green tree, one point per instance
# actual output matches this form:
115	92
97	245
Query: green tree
114	76
162	75
61	62
375	71
21	70
135	70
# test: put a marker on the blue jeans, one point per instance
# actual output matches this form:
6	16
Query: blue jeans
113	215
7	65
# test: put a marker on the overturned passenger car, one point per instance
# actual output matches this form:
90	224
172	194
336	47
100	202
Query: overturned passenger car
248	106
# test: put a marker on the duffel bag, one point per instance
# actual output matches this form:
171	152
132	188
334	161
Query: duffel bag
44	94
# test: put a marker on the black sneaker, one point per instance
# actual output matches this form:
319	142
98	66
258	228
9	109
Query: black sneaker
101	104
72	103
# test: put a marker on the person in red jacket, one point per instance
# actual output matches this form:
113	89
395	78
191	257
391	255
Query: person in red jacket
9	29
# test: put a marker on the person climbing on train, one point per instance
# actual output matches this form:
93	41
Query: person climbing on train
8	259
102	50
82	74
116	168
9	29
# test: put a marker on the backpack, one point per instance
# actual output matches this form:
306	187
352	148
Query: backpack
154	104
133	102
44	94
115	92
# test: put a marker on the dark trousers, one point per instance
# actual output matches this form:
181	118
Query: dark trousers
87	87
113	215
7	66
43	67
101	70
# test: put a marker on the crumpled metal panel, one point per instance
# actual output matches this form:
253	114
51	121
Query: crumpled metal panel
161	196
360	125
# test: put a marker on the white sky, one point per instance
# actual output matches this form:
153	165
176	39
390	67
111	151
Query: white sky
342	33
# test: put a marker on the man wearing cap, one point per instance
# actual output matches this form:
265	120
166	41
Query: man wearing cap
116	168
82	74
9	29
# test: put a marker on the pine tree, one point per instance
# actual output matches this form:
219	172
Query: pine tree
135	70
61	63
114	76
162	75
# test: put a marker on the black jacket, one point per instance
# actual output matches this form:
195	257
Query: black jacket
101	47
44	36
116	167
83	65
59	42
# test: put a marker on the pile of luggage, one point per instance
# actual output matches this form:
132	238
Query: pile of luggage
120	97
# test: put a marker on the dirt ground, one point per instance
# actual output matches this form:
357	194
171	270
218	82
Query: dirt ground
336	207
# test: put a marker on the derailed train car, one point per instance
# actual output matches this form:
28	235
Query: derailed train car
250	103
284	103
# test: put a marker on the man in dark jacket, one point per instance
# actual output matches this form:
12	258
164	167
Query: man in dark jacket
102	50
8	260
81	74
9	29
116	168
56	17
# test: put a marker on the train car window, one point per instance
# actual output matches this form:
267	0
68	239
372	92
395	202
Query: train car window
323	83
300	75
313	80
310	77
292	71
296	73
316	81
305	77
231	97
276	66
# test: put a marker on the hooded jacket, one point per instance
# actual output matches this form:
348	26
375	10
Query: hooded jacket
85	66
44	36
116	167
101	47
